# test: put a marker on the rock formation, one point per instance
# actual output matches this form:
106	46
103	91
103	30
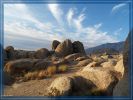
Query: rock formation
55	43
10	52
65	48
42	53
123	86
78	47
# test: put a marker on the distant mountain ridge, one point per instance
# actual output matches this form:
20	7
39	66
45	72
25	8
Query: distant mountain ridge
108	47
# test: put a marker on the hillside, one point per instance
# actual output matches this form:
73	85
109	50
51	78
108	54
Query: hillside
108	47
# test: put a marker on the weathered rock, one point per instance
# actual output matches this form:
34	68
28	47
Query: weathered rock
84	86
74	56
78	47
93	64
64	49
60	61
7	79
84	62
42	53
60	87
123	86
82	58
52	52
31	54
17	66
106	57
20	54
10	52
109	64
102	78
55	43
41	64
99	59
119	67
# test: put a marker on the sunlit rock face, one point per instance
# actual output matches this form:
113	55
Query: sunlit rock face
123	86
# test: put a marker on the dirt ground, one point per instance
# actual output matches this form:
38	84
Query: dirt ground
35	87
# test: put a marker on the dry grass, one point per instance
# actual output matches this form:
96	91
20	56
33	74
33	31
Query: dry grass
31	75
51	70
62	68
42	74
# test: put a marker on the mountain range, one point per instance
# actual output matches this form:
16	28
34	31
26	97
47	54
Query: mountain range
108	48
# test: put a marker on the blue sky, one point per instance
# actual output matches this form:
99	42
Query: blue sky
33	26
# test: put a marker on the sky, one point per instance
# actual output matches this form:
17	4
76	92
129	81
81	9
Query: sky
34	26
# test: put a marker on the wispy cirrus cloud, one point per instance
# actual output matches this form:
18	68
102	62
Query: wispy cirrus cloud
19	22
56	12
118	6
75	21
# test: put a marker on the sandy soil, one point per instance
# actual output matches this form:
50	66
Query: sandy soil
35	87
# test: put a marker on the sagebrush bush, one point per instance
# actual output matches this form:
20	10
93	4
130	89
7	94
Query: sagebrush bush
42	74
51	70
62	68
31	75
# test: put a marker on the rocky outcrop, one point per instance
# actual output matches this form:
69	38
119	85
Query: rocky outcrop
104	79
82	58
31	54
65	48
16	66
93	64
41	53
123	86
74	56
55	43
78	47
41	65
109	64
119	67
20	54
7	79
10	52
84	62
60	87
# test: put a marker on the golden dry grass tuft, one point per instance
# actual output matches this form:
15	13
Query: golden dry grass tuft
63	68
51	70
31	75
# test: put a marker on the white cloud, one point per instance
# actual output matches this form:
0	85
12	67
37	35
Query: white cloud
118	31
75	22
118	6
98	25
20	26
56	12
70	16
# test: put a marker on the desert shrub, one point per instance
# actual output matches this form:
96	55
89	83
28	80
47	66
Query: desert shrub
42	74
31	75
62	68
51	70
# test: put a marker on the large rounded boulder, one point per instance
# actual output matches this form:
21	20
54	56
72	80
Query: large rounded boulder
78	47
42	53
60	87
65	48
16	66
104	79
55	43
10	52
